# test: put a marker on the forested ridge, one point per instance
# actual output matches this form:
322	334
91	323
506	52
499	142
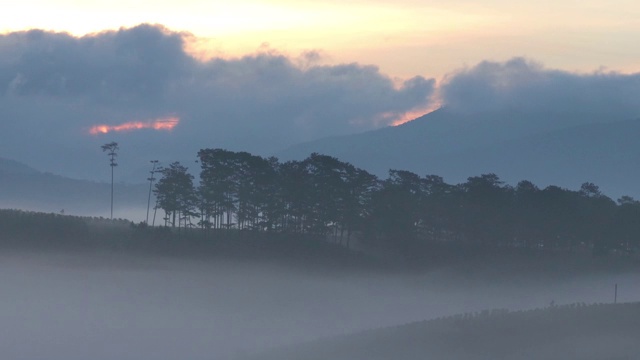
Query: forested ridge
334	200
240	195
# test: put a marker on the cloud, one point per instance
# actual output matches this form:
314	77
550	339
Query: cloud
127	67
54	87
528	87
268	93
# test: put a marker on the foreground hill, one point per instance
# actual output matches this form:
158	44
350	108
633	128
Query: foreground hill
594	332
26	188
558	149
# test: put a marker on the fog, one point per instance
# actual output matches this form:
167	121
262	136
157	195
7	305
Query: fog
107	305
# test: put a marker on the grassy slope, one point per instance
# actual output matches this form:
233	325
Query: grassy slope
571	332
24	230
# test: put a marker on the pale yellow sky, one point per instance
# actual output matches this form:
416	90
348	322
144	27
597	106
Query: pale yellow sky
403	37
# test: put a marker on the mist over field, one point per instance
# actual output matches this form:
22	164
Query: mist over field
110	305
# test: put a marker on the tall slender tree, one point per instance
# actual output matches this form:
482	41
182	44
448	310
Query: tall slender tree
151	180
112	151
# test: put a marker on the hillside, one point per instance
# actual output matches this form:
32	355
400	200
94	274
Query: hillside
23	187
560	149
564	333
601	153
8	166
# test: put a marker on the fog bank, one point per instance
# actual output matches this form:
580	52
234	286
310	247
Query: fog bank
115	306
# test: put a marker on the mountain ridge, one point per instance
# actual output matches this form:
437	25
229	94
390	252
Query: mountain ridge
12	166
26	188
456	146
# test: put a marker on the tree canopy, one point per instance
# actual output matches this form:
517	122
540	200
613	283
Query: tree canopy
329	198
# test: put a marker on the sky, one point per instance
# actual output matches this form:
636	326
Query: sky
403	37
167	78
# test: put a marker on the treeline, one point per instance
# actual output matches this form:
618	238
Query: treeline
329	198
34	231
21	226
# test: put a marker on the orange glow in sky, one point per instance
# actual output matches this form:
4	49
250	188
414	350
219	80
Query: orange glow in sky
412	115
434	103
165	124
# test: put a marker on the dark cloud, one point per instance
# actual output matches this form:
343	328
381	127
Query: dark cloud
125	68
268	93
528	87
54	86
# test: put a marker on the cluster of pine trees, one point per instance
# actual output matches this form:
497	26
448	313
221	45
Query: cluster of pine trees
324	196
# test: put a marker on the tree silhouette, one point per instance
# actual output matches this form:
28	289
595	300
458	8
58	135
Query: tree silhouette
151	180
176	193
218	185
359	187
438	208
626	226
395	209
329	199
111	149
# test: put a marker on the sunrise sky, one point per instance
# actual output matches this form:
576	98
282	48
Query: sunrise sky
403	37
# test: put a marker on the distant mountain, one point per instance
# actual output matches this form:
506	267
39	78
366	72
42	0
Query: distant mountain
558	149
8	166
605	154
573	332
22	187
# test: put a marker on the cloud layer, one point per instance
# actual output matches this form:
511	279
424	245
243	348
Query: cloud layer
528	87
54	87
